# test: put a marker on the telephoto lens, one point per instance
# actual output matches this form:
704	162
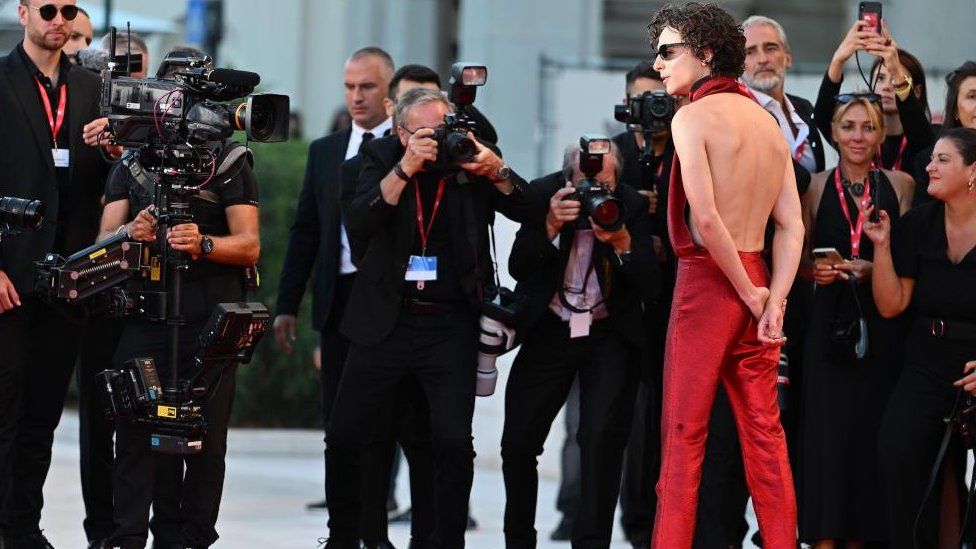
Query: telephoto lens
495	339
21	213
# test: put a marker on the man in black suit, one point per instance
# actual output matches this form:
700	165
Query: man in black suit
415	305
44	104
319	235
585	288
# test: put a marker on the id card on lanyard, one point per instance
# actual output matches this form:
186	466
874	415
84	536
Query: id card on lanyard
423	268
857	228
55	121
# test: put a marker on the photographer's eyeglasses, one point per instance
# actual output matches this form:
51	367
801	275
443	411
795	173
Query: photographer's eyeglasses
848	97
50	11
666	51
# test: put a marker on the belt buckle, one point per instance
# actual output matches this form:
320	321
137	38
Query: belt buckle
938	328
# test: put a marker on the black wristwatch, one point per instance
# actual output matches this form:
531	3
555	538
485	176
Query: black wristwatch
206	245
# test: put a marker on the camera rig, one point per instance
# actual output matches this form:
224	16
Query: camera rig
17	214
648	114
453	146
597	202
174	414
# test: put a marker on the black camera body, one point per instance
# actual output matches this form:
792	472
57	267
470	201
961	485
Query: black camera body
597	202
649	112
453	145
20	213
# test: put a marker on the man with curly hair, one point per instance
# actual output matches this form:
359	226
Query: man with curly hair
732	172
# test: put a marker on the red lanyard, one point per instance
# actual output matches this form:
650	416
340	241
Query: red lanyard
896	164
62	101
859	227
424	233
798	155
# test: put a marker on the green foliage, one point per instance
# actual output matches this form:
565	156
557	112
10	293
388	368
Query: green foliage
277	390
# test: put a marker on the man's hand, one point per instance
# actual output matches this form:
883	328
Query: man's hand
8	294
651	196
968	382
185	237
756	301
770	329
284	331
95	133
486	164
619	239
561	211
143	227
420	147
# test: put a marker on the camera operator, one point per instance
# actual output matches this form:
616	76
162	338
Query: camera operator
584	285
44	101
415	306
221	241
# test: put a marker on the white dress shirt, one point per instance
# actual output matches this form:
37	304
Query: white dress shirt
806	157
579	264
345	254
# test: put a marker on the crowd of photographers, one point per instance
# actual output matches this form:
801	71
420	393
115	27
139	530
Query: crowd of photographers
394	232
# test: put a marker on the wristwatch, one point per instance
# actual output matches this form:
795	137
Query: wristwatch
206	245
503	173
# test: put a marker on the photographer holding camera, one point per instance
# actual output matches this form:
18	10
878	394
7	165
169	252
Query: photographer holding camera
426	271
221	241
44	102
584	275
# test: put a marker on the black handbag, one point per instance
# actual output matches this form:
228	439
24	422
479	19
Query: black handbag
848	338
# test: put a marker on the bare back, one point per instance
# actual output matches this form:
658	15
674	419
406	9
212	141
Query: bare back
746	157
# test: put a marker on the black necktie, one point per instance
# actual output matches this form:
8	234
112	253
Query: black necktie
367	137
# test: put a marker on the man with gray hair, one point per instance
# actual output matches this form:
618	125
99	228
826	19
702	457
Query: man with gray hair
413	312
768	57
583	285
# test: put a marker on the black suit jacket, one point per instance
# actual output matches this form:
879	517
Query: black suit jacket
628	289
314	239
386	235
805	109
27	166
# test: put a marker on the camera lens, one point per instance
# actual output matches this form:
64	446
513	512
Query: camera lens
21	213
659	107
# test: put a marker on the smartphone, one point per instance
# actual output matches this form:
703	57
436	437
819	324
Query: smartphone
875	176
827	256
870	12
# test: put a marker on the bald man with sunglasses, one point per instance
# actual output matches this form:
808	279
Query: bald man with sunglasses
44	103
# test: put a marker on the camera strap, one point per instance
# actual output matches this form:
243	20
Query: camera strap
145	182
856	228
425	232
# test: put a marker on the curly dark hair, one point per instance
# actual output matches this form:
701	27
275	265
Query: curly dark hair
705	26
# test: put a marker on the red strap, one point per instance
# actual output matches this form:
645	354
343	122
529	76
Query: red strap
856	229
798	155
55	124
424	233
897	162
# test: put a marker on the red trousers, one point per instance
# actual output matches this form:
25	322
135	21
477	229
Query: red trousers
712	338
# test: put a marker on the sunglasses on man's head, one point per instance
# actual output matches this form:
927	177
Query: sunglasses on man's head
50	11
666	51
848	97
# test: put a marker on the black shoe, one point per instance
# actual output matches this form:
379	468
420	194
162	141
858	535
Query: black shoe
317	505
402	518
384	544
472	524
337	544
32	541
391	505
563	532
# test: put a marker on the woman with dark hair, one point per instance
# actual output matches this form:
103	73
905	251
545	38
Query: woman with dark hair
898	79
844	395
960	112
929	266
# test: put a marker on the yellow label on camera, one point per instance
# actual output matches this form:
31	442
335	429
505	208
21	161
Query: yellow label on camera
99	253
154	269
166	411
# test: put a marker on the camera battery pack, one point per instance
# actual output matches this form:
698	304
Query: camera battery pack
174	445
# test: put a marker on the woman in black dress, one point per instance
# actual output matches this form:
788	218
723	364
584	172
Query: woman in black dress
928	265
844	397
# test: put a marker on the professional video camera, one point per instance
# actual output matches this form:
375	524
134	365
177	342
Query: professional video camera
175	414
20	213
596	200
453	145
97	60
649	112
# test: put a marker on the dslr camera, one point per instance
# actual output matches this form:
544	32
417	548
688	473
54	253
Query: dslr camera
596	200
649	112
20	213
453	146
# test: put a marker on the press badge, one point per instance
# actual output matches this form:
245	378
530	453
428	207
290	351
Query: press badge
421	268
60	158
579	324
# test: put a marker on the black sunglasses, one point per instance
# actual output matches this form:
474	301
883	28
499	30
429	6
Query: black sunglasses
848	97
50	11
665	52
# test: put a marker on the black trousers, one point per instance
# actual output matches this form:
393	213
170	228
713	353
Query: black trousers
95	432
185	510
440	352
642	464
38	347
569	498
541	378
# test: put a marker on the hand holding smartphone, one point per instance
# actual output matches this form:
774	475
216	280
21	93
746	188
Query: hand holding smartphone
827	256
870	12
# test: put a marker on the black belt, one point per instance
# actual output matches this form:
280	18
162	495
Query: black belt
947	329
421	307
